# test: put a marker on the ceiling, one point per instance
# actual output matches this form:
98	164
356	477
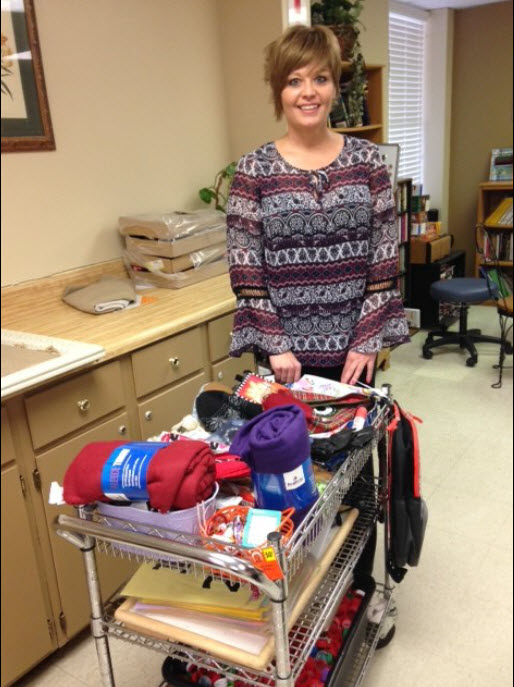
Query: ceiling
453	4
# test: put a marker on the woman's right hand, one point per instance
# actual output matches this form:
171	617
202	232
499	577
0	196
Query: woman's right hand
286	367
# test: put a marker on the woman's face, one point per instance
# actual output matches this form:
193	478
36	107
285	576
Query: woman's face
308	96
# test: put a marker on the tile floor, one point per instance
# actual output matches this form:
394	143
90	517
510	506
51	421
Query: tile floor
454	625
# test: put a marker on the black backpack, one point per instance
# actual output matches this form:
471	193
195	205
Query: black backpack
408	513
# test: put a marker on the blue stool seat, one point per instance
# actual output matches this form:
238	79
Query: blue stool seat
461	290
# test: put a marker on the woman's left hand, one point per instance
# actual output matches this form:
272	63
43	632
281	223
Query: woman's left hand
354	366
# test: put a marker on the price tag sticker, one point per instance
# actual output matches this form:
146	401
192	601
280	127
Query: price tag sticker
269	564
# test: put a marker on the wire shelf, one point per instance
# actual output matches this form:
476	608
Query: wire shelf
358	670
305	632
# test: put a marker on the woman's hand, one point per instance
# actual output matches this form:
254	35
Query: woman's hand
286	367
354	366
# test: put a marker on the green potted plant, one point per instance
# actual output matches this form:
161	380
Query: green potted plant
342	17
218	192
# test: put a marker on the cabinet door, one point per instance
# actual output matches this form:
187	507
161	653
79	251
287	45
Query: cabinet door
68	562
26	635
226	370
164	410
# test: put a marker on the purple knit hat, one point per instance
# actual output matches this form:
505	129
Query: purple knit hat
275	441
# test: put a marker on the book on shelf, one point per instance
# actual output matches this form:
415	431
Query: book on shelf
501	280
501	164
502	215
497	246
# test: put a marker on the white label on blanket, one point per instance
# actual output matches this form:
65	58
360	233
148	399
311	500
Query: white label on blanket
124	473
295	478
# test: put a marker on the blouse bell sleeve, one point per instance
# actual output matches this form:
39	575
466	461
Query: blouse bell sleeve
257	326
382	321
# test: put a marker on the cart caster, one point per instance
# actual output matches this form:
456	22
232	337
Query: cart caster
427	354
471	362
508	348
384	640
174	672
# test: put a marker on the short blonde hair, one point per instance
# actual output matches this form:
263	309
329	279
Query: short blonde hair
297	47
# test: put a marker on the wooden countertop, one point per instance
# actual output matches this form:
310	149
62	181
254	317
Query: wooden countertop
37	307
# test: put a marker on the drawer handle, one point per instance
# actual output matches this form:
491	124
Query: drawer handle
122	429
148	415
220	375
84	405
174	362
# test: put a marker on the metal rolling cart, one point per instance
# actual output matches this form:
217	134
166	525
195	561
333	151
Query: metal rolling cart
119	538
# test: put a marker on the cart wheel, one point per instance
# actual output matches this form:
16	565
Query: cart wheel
471	362
384	641
172	669
427	354
508	348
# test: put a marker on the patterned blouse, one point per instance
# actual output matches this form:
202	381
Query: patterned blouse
313	256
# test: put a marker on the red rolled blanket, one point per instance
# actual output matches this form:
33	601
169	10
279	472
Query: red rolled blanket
178	476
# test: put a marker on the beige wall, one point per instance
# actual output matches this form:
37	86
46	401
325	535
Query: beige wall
134	91
481	109
246	28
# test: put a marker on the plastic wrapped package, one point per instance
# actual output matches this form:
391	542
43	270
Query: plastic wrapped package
172	226
148	274
182	263
174	248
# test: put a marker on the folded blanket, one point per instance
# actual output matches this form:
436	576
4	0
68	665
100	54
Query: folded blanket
275	441
105	295
178	475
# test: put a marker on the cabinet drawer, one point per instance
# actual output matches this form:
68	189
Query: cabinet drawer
69	566
167	361
219	336
7	440
72	404
164	410
226	370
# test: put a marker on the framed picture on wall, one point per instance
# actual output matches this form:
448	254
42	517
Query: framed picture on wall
26	123
390	154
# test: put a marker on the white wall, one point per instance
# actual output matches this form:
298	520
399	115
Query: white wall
438	102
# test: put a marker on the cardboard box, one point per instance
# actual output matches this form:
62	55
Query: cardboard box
177	247
181	279
183	263
422	252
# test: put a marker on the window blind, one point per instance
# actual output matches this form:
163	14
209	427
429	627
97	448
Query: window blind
406	76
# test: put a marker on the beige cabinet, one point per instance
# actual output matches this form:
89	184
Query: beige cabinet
27	630
75	403
133	397
69	566
162	411
223	368
168	361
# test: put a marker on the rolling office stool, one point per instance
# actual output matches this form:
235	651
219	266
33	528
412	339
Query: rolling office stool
463	291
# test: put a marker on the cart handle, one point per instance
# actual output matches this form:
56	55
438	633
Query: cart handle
214	559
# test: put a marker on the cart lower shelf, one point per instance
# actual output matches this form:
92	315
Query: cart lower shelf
306	630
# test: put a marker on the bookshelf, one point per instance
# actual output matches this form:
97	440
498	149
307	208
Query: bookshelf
494	236
374	130
403	196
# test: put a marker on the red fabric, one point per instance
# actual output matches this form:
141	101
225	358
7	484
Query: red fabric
179	475
230	467
285	398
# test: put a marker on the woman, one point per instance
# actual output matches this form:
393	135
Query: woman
312	230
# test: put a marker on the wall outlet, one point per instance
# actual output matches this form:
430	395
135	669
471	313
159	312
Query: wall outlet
413	316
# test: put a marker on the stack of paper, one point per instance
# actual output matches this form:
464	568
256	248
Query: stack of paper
172	588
